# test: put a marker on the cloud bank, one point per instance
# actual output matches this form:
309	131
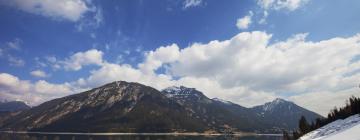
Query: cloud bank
244	69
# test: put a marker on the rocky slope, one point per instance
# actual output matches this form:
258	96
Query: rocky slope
115	107
272	117
132	107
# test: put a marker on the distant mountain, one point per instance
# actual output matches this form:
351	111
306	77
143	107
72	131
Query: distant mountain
13	106
271	117
219	115
9	109
132	107
282	114
115	107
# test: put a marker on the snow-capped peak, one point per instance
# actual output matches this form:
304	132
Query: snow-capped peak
182	92
271	105
178	89
279	100
221	100
172	89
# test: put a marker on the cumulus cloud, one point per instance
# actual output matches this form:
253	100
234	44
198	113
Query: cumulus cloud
244	23
39	74
191	3
71	10
248	60
76	61
245	69
246	63
155	59
290	5
13	88
110	72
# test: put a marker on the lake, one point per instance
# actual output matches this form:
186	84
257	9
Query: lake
12	136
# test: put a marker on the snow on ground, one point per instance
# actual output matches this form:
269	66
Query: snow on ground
347	129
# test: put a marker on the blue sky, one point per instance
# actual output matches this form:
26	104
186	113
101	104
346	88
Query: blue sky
42	46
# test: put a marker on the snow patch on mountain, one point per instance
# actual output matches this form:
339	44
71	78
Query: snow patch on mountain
223	101
347	129
180	92
271	105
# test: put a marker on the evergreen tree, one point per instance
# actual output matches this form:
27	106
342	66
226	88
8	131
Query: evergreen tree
352	107
304	125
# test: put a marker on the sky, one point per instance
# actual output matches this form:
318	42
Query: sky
245	51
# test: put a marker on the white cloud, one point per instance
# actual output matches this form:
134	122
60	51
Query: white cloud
110	72
155	59
290	5
80	59
239	94
191	3
12	88
328	100
39	74
247	60
246	63
244	23
71	10
247	70
244	69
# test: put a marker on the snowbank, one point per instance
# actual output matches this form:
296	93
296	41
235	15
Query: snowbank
347	129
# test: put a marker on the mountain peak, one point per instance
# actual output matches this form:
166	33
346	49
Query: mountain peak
181	92
178	89
222	100
279	100
276	103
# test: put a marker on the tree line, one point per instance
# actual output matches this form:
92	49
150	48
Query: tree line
352	107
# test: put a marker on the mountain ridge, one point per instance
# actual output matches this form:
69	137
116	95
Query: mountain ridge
262	118
132	107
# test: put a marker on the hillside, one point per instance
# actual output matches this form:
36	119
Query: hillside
347	129
115	107
131	107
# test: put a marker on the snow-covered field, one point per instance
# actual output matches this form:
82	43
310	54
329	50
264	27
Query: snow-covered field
347	129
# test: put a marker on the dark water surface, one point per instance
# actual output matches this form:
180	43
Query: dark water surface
11	136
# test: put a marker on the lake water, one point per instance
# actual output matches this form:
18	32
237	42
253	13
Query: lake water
10	136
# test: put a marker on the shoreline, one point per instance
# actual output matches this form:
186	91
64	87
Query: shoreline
139	134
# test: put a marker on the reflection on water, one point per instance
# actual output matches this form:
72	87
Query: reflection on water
7	136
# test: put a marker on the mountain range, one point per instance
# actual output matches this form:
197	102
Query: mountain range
132	107
13	106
